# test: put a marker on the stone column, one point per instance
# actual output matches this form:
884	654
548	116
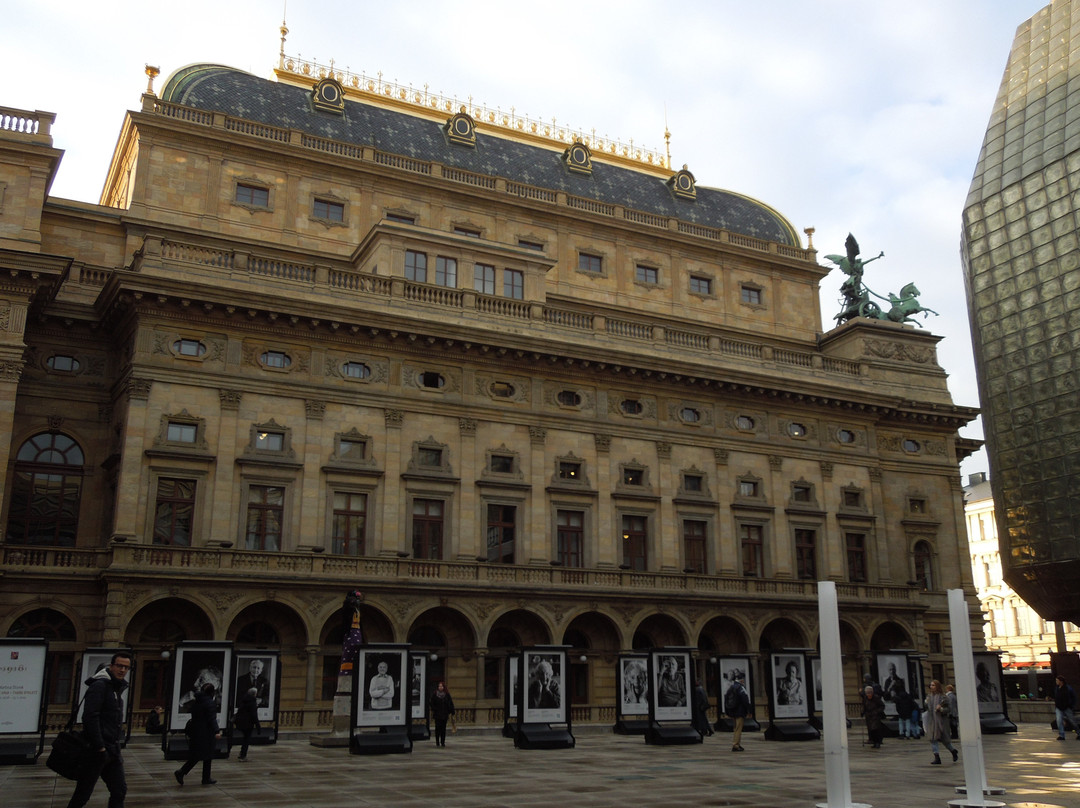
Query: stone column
392	539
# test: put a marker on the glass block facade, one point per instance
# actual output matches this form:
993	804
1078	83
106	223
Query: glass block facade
1022	271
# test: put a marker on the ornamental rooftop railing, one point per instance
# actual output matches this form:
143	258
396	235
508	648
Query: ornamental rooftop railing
429	102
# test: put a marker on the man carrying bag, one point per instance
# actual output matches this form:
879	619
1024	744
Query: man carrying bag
103	721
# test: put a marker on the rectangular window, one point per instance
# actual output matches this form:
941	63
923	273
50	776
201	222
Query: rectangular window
484	279
530	245
252	195
748	488
633	476
265	517
569	471
571	538
181	433
500	533
587	262
502	464
352	450
514	284
174	512
350	523
396	217
61	674
415	266
446	271
189	347
751	538
269	441
579	682
805	554
331	211
635	542
426	456
693	483
856	556
934	638
466	231
493	676
646	274
694	545
852	499
751	295
801	493
427	528
700	285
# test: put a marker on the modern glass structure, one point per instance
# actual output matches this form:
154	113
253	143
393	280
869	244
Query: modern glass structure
1022	270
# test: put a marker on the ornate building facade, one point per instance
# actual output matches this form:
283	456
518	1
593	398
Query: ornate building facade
519	387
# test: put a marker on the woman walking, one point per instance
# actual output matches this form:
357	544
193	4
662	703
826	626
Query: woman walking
442	707
204	730
936	717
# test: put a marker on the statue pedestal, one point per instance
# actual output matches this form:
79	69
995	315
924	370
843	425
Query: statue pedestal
340	731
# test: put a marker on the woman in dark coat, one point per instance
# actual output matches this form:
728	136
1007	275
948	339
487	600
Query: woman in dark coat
874	711
202	730
247	718
442	707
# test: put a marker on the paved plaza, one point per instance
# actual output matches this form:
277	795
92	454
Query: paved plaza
604	770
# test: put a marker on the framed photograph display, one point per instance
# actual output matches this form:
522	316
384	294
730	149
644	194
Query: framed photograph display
735	669
196	665
788	679
670	684
633	684
97	659
258	670
989	687
916	680
513	663
379	698
892	673
418	687
22	685
543	673
817	704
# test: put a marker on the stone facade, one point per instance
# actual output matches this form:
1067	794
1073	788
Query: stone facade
589	423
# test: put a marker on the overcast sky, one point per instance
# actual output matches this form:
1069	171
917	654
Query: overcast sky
844	115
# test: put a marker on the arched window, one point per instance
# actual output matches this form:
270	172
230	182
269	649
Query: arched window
259	634
924	575
55	627
45	492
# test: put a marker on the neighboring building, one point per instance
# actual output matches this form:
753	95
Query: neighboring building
1022	267
1010	625
325	333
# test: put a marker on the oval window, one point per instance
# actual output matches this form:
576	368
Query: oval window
502	389
631	406
911	445
568	398
356	370
745	423
62	362
432	380
189	347
845	436
275	359
797	430
690	415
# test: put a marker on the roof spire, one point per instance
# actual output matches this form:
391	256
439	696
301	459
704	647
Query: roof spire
284	33
667	137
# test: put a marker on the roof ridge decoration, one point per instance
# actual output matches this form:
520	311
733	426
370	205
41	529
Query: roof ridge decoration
374	89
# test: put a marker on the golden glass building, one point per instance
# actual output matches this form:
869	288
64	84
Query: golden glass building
516	384
1022	270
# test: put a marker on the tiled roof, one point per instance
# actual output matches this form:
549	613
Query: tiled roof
223	89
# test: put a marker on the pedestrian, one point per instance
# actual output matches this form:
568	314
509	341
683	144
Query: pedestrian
874	713
442	707
247	719
905	708
154	724
103	720
202	730
1065	707
954	711
737	706
936	718
868	681
701	710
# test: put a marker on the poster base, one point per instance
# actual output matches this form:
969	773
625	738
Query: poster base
543	736
15	751
630	726
330	741
419	732
175	747
509	729
728	725
792	731
387	741
995	724
671	734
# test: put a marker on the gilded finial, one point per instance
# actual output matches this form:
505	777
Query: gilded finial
809	237
284	33
151	73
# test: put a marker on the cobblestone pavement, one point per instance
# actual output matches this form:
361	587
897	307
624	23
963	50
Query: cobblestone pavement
607	770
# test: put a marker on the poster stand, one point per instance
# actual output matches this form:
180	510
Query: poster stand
195	663
789	697
632	685
542	695
261	669
381	703
511	719
670	694
23	701
419	717
741	668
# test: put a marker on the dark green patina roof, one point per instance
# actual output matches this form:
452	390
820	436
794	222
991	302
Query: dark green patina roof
224	89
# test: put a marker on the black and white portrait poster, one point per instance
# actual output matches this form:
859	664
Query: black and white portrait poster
512	664
97	659
417	685
816	702
634	684
198	665
257	671
545	686
790	699
22	684
382	692
671	685
988	688
892	675
735	669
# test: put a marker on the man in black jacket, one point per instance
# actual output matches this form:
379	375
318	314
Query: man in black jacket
103	721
